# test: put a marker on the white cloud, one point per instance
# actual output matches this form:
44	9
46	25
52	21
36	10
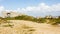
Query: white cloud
56	7
41	8
1	8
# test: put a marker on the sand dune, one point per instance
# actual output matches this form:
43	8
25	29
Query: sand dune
28	27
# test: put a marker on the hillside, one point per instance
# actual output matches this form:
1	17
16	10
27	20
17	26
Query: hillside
28	27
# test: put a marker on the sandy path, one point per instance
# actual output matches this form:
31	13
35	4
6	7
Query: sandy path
28	27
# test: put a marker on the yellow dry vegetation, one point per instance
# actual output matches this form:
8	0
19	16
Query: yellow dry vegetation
28	27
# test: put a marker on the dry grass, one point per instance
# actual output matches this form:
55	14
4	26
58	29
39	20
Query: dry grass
28	27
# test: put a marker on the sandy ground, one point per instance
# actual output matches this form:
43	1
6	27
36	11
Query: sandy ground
28	27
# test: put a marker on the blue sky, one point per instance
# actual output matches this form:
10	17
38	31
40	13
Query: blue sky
15	4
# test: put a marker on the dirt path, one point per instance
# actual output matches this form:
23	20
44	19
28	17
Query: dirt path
28	27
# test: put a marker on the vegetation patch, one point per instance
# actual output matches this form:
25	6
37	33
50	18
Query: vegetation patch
51	20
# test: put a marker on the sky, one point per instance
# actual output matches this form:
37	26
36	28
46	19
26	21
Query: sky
32	7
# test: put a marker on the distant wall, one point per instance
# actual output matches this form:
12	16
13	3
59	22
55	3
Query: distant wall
12	14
